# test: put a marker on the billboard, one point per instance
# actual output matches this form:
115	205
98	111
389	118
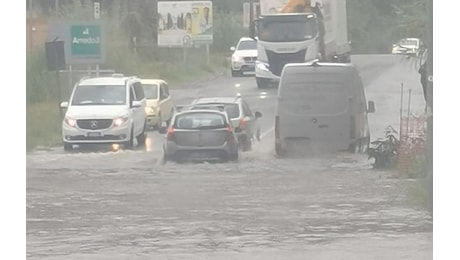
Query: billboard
184	23
277	6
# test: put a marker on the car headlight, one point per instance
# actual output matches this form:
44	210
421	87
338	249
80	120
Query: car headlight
119	121
150	110
262	66
70	122
237	58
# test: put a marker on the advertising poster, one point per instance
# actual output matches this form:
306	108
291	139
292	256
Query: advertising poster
185	23
272	6
291	6
202	22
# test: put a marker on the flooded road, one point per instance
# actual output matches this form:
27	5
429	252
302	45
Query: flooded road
102	204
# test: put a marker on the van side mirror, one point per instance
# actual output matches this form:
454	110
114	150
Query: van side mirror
232	48
64	105
371	107
136	104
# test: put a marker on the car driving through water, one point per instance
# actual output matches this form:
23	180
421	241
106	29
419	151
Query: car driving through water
200	135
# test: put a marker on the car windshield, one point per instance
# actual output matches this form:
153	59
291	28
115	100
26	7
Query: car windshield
408	42
151	91
99	95
200	120
247	45
232	109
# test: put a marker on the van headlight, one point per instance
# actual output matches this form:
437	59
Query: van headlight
70	122
262	66
119	121
150	110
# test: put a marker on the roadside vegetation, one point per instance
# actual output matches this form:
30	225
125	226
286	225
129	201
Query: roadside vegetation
122	22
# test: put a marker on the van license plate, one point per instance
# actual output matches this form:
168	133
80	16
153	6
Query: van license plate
94	134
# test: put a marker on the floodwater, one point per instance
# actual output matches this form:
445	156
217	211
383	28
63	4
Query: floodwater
126	204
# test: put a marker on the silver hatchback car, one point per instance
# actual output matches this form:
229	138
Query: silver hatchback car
244	120
200	135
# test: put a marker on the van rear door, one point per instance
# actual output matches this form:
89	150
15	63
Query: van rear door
315	111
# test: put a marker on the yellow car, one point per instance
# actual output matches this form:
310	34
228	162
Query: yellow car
159	107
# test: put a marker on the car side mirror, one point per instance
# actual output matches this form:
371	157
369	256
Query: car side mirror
64	105
136	104
371	107
232	48
258	114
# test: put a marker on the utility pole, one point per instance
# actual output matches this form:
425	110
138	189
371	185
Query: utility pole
251	18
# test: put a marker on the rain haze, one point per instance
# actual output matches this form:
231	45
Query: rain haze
300	164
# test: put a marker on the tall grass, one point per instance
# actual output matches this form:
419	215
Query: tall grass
43	125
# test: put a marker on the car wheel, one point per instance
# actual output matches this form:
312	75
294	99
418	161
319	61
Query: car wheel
141	138
258	134
262	83
233	157
279	150
68	146
235	73
170	117
164	158
364	144
130	143
247	145
160	120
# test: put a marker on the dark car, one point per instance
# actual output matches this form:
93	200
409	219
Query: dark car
243	118
200	135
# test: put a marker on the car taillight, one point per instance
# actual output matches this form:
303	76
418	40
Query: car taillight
243	123
170	134
277	127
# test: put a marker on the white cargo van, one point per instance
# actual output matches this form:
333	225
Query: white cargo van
321	105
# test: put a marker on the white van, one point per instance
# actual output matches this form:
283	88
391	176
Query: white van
105	110
321	105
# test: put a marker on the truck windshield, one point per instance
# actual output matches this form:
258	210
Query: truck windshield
287	31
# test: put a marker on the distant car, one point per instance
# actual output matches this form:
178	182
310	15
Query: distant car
410	46
244	57
243	118
159	107
200	135
105	110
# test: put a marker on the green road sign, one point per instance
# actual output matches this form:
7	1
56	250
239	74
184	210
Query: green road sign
85	40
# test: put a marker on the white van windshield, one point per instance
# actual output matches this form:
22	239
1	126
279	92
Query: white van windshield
99	95
314	98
